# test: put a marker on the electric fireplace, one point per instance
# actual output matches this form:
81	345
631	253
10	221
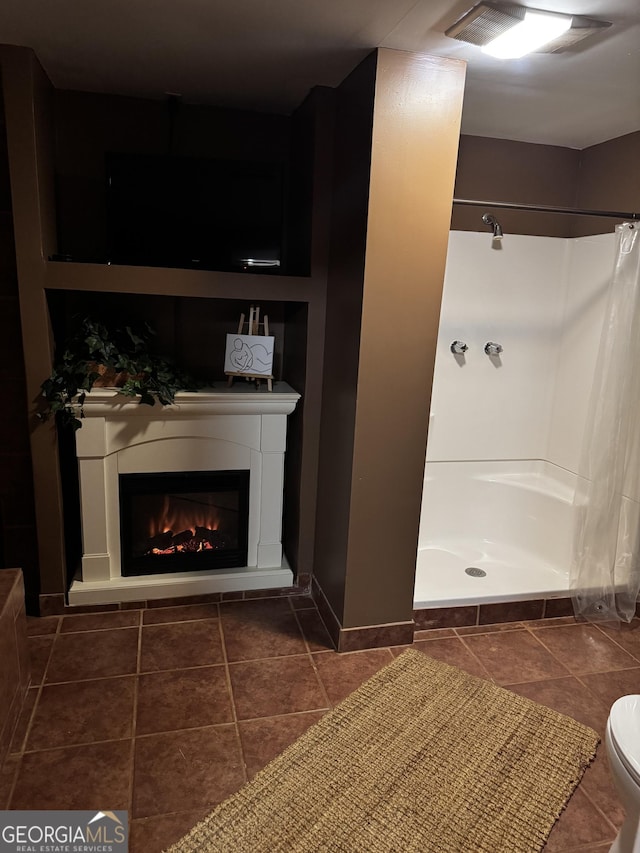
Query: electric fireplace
185	500
183	521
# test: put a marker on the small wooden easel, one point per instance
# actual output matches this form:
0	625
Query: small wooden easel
253	325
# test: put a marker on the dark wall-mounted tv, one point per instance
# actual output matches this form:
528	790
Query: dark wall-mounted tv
188	212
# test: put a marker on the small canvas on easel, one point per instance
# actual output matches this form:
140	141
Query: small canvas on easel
249	355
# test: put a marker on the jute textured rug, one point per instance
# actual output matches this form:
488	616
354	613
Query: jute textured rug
422	757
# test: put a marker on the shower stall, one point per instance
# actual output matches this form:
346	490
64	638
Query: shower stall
520	327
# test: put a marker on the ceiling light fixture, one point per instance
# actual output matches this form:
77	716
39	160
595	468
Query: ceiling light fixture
534	31
510	31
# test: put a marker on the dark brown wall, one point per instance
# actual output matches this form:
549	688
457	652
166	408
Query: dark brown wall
352	160
27	98
311	164
397	133
294	534
602	177
18	540
521	172
609	179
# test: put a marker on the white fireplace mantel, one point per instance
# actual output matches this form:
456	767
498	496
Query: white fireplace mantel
231	428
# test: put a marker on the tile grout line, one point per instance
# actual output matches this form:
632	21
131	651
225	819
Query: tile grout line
97	630
159	626
9	794
73	616
206	666
491	629
286	714
580	679
477	658
232	699
147	735
25	740
611	639
85	744
136	685
48	634
311	659
600	812
589	672
541	642
101	678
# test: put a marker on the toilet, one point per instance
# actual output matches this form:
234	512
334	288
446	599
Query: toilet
622	739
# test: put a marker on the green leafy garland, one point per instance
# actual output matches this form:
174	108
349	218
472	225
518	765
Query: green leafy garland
125	351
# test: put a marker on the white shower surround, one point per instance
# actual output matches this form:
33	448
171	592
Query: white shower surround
230	429
543	299
513	520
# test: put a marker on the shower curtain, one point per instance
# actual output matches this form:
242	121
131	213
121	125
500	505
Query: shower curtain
605	574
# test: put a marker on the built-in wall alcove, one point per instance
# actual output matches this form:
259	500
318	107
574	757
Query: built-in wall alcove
189	330
192	332
170	184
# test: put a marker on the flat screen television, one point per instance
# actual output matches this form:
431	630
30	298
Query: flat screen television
191	212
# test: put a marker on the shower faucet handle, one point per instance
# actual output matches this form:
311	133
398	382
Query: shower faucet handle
492	348
458	347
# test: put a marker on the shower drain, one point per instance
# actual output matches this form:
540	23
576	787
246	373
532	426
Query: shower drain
475	572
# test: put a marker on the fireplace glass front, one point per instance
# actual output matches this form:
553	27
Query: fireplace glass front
183	522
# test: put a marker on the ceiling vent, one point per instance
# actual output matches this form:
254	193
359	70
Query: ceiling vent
486	21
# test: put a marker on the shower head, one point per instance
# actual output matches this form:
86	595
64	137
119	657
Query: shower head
492	222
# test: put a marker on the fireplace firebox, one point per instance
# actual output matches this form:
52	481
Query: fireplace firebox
184	521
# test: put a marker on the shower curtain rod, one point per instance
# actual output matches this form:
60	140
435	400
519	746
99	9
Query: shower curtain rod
545	208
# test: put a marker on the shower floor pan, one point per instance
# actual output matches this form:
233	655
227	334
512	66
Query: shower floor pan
441	579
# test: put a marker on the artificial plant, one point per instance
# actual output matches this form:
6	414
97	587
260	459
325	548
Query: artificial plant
120	356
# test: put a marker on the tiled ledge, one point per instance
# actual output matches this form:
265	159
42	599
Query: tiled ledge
489	614
14	654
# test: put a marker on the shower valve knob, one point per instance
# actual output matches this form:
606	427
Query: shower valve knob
492	348
459	348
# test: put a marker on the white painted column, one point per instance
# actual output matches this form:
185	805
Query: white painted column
91	449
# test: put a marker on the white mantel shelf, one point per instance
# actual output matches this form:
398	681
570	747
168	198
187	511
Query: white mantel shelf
240	427
241	398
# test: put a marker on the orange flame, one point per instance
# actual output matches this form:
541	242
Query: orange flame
179	518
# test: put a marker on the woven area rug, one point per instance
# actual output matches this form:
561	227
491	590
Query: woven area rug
422	757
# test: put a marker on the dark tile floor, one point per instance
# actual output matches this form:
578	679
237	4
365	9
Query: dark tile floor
166	712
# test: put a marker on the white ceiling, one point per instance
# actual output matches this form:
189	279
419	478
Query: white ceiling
267	54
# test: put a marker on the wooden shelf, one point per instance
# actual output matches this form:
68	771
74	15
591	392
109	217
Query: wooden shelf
117	278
